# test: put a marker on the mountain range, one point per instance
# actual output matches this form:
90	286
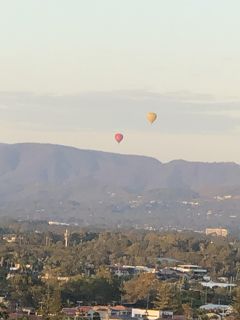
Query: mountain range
44	181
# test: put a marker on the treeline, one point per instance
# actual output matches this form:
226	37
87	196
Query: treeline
94	249
49	275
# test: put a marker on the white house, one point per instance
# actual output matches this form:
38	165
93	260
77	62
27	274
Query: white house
146	313
212	284
190	268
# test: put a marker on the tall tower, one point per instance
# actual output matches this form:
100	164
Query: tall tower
66	237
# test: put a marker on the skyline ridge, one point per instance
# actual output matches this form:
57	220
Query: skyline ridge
117	153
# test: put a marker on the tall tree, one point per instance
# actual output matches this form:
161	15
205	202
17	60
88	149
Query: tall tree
141	288
168	298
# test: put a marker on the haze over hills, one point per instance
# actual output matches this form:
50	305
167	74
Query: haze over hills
92	187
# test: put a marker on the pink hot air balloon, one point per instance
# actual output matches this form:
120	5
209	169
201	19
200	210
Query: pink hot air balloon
118	137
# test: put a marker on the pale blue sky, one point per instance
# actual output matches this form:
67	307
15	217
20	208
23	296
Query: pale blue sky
74	72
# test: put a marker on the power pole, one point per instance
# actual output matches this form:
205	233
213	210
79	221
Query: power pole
66	238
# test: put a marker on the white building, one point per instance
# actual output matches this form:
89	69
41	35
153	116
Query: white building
190	268
217	308
146	313
212	284
151	314
220	232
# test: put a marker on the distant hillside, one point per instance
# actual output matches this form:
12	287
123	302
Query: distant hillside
202	177
43	180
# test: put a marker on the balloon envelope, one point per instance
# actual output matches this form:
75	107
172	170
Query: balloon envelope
151	116
118	137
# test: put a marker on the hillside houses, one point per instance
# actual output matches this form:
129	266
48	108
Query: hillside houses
190	268
126	270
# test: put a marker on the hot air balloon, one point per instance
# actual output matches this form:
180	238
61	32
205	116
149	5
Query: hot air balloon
151	116
118	137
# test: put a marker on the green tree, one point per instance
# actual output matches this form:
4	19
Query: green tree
168	298
51	303
3	311
96	316
141	288
236	302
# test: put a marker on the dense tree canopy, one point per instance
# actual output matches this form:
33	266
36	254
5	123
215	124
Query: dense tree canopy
84	267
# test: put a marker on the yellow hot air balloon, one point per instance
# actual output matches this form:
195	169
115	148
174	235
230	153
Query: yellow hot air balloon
151	116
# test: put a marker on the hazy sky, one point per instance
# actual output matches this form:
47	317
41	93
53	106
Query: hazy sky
74	72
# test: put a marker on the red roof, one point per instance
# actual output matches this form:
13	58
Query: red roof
119	308
69	311
84	308
74	311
